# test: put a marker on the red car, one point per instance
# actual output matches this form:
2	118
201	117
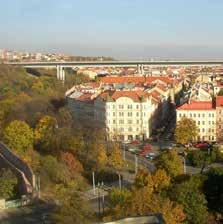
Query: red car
136	142
202	145
146	150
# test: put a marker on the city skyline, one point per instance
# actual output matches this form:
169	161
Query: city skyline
123	30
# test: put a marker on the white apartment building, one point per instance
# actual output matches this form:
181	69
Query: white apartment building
204	114
127	115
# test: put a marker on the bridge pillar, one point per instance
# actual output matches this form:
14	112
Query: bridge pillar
140	69
61	73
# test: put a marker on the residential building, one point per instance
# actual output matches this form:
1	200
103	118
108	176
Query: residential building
129	107
204	114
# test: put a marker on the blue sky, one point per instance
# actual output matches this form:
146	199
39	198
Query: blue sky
136	29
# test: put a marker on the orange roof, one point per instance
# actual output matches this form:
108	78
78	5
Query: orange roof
219	101
86	97
197	105
135	79
155	94
134	95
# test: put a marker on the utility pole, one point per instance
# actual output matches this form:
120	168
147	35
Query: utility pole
136	164
93	180
119	180
124	158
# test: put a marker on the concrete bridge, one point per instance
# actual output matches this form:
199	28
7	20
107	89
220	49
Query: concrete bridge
60	66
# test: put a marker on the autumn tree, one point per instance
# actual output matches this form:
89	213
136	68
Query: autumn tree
44	132
72	208
171	162
115	157
19	137
8	184
74	166
186	131
188	193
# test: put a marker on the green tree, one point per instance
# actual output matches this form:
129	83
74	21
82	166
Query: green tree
186	131
19	137
213	189
8	184
201	158
171	162
189	195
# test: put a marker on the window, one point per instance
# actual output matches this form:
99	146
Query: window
198	115
144	114
203	115
194	115
212	130
209	130
212	115
121	121
212	122
198	122
137	106
121	129
190	115
129	121
209	115
129	114
129	106
121	114
113	107
113	113
137	121
209	122
203	122
137	114
130	129
179	115
114	121
203	130
121	106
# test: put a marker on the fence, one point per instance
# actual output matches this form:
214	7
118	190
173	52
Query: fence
24	200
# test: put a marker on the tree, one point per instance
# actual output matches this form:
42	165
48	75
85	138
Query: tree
189	195
186	131
44	132
8	184
201	158
19	137
115	158
213	189
74	166
170	162
72	208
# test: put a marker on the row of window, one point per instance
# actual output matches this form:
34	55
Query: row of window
122	107
122	122
121	114
129	129
203	138
203	130
196	115
203	122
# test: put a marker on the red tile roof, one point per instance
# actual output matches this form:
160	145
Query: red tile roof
219	101
135	79
197	105
134	95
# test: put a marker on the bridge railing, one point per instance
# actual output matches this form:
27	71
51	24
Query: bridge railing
18	163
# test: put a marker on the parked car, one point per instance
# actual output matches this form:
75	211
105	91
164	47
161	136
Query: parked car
202	145
135	142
